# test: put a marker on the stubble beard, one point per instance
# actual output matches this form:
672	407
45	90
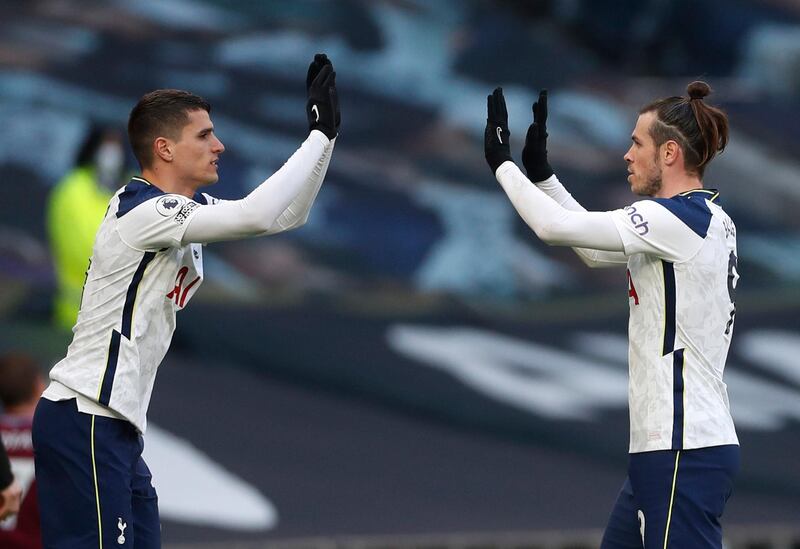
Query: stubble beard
652	184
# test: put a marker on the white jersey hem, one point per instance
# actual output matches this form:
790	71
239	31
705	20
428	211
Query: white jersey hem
57	391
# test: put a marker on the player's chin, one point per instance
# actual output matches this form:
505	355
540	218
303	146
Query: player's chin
211	178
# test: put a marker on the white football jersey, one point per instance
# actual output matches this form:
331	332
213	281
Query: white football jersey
138	278
681	285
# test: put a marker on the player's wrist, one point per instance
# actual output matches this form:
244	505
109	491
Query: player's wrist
540	172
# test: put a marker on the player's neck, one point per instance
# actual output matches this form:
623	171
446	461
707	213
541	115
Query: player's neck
678	183
168	183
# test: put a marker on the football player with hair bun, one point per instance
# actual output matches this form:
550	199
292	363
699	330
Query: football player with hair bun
679	247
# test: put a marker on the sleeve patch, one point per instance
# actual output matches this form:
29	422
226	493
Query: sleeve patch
168	205
183	215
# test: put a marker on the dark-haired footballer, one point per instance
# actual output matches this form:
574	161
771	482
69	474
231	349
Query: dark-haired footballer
94	487
679	246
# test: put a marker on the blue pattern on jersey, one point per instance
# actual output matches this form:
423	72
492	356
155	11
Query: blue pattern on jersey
677	399
691	208
136	192
670	302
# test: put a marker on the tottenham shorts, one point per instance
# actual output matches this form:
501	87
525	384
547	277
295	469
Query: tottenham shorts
94	487
673	499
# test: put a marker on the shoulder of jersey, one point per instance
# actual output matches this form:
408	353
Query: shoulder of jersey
139	191
135	193
692	208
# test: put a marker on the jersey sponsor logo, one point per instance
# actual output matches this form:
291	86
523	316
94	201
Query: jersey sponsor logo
183	215
179	292
637	220
632	289
168	205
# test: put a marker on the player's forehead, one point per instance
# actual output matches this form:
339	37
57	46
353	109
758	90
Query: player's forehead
197	121
641	130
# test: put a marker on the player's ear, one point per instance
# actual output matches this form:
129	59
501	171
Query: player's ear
162	147
670	152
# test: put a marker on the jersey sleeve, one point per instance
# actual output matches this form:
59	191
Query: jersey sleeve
279	203
553	223
659	228
210	200
157	223
553	188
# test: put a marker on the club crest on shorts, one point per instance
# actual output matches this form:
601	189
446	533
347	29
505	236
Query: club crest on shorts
169	205
640	515
121	525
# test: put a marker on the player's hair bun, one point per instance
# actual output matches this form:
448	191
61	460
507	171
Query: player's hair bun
698	89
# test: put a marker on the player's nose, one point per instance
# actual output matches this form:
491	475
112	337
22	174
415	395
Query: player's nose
219	148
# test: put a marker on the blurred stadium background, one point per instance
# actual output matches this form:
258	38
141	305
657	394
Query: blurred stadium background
413	368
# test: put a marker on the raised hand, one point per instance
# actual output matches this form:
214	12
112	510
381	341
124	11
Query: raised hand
534	154
496	137
322	107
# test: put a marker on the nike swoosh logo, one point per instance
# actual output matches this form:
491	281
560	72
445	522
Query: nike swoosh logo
315	110
499	137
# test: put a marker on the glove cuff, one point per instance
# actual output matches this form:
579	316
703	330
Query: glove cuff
541	172
496	160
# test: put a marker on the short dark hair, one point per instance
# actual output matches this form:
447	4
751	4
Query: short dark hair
699	128
160	113
19	374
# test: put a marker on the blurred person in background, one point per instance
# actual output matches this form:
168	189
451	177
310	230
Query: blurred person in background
75	208
21	385
94	487
679	246
10	490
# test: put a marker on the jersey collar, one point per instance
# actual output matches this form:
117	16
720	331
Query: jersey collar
141	180
709	194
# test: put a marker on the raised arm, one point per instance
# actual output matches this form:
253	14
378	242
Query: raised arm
551	222
554	224
553	188
283	201
534	158
279	203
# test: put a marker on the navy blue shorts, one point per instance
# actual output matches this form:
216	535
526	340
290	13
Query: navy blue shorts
673	498
95	489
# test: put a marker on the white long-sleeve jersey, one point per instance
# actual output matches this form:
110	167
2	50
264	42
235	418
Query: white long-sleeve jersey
682	277
147	263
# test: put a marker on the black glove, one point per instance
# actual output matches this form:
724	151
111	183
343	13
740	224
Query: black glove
534	154
496	138
322	107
